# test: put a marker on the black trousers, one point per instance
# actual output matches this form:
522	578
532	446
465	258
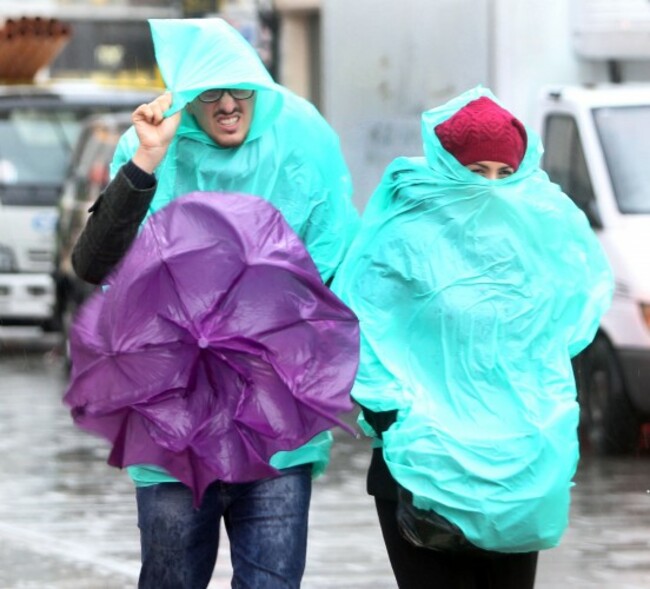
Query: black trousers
421	568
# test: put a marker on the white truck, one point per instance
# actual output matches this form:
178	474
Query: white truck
41	116
417	54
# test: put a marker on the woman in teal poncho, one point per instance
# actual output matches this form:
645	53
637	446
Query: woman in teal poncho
475	280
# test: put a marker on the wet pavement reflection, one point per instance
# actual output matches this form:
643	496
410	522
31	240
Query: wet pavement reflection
67	520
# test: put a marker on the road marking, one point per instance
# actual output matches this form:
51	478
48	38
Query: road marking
49	545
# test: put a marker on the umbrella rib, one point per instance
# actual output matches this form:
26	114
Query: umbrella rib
156	227
285	326
217	303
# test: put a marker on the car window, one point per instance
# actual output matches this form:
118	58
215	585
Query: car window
97	152
623	133
35	145
565	163
87	177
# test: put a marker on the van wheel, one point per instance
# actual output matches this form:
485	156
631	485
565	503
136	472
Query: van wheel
608	423
51	325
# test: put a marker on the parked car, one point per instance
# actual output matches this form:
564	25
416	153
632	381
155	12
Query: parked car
87	176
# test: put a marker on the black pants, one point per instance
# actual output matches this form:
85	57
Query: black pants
421	568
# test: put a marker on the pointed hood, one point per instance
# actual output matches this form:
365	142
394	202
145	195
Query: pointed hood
199	54
291	156
446	164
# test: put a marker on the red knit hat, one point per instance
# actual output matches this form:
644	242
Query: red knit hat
483	131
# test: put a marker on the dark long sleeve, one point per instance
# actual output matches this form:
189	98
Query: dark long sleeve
380	483
380	421
114	223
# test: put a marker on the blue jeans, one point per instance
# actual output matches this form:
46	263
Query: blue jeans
266	522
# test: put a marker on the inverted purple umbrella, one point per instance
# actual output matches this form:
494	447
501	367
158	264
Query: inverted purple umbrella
215	346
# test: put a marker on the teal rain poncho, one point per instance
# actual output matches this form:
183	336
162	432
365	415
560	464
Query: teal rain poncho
291	157
472	296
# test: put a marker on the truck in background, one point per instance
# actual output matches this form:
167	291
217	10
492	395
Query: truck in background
40	120
594	122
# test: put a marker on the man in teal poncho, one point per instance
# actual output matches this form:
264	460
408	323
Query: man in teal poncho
475	280
224	126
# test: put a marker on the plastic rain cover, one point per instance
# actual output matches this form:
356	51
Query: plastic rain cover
215	346
472	296
291	156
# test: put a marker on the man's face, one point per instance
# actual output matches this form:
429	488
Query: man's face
226	120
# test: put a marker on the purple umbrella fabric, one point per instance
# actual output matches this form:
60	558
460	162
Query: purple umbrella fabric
215	346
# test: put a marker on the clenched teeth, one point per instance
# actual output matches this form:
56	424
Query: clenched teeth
229	121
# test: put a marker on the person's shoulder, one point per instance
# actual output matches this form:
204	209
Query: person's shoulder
295	105
306	136
407	165
298	111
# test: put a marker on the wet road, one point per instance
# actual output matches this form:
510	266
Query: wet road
67	521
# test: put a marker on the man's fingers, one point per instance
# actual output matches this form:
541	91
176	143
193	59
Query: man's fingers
159	107
141	113
153	112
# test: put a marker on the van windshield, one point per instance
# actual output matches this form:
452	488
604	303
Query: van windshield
625	137
35	148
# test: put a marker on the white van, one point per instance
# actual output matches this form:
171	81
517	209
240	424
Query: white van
597	148
39	126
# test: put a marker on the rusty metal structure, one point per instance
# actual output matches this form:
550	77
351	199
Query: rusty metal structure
30	44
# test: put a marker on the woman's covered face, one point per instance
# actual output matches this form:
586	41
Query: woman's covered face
491	170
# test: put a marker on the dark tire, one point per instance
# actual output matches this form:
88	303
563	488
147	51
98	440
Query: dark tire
76	294
608	422
51	325
65	339
61	294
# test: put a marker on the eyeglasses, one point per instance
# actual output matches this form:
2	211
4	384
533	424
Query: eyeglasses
217	94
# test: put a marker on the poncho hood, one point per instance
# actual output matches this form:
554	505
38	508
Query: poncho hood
444	163
291	156
195	55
